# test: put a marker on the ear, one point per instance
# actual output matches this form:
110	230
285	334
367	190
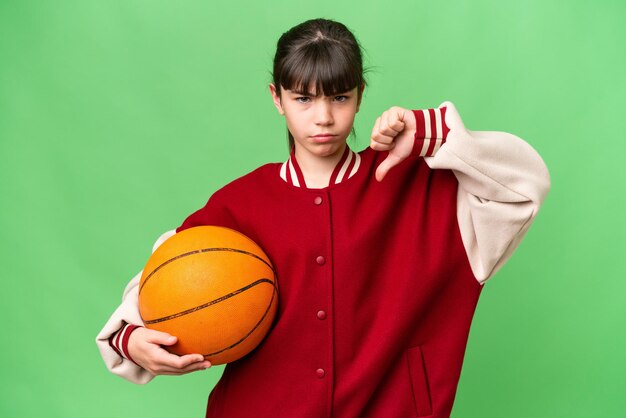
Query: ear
358	104
276	99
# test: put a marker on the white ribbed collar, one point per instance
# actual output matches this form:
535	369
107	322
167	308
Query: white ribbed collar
347	167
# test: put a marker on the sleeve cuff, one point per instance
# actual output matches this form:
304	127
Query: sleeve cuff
119	341
431	131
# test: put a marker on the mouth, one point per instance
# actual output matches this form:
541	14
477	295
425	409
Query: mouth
320	139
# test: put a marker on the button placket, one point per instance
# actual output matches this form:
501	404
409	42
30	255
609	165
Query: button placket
320	260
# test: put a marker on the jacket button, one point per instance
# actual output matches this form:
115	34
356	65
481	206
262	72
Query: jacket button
320	260
321	315
318	200
320	373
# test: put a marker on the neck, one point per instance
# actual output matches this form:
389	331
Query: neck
315	169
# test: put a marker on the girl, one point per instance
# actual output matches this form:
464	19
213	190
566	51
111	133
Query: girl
380	255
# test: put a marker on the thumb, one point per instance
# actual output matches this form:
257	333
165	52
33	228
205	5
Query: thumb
162	338
387	164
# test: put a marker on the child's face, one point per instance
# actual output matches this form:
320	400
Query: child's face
308	116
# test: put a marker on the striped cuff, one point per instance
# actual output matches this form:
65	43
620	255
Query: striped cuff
431	132
119	341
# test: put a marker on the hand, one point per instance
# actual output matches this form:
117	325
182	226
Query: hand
144	346
394	131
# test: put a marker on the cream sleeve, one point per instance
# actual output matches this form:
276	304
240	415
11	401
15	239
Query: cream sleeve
126	313
502	183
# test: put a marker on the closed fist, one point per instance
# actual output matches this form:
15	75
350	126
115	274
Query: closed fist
393	131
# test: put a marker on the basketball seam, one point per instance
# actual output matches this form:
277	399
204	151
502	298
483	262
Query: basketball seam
213	302
200	251
269	306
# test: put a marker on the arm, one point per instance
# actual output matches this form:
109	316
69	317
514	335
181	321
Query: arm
138	356
502	179
126	313
502	183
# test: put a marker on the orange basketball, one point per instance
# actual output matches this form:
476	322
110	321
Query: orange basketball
214	289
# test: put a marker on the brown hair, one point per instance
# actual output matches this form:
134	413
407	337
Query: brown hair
319	51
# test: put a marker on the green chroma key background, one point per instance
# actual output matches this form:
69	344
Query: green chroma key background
120	118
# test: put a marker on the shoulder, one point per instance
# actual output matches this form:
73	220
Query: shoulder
255	179
223	203
240	190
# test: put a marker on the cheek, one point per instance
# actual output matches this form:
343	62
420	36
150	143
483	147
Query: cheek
294	124
348	116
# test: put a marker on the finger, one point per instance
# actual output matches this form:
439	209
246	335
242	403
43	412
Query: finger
379	146
383	128
203	365
399	123
375	128
392	123
382	132
165	358
383	139
379	142
186	360
161	338
387	164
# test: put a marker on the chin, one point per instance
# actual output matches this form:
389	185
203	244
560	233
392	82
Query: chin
326	150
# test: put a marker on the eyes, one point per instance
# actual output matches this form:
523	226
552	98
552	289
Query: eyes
306	99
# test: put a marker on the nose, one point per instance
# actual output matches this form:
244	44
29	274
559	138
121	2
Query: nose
323	113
